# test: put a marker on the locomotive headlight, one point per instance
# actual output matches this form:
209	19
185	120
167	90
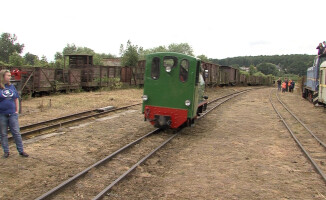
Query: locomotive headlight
144	97
187	102
168	69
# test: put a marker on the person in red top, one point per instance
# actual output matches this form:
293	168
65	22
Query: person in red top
283	86
289	85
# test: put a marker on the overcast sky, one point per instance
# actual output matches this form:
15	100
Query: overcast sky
218	29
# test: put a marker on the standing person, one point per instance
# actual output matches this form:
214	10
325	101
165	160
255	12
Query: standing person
9	114
289	85
286	84
324	47
320	49
292	85
279	82
283	86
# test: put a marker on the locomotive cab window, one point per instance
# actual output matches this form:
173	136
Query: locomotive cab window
169	62
197	72
184	69
155	72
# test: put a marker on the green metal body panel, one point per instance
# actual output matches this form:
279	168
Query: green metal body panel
168	90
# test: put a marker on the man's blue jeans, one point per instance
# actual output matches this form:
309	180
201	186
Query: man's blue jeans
11	121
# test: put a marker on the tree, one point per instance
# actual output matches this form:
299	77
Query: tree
203	58
183	48
58	56
16	60
267	68
43	61
8	46
69	49
295	64
252	70
130	55
30	59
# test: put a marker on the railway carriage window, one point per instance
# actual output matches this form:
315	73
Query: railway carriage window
155	73
170	62
184	69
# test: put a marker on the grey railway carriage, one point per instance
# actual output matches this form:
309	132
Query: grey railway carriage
315	86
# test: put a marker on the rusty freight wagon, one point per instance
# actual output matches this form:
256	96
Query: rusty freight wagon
212	70
231	73
243	79
140	72
93	76
41	80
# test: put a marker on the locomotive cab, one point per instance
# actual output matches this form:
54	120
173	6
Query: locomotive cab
173	89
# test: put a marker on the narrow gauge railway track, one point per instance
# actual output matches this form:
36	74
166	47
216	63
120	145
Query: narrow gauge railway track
116	159
313	148
41	127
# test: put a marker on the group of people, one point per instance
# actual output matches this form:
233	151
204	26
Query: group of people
321	48
286	85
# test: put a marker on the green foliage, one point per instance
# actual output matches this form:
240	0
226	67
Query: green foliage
16	60
267	68
293	77
8	46
30	59
244	72
69	49
183	48
130	55
252	70
236	66
43	61
58	56
3	64
203	58
294	64
73	49
259	74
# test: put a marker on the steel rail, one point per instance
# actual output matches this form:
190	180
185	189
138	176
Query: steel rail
80	174
103	192
297	141
59	124
304	125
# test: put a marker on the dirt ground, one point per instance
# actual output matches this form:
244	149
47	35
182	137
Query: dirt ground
48	107
239	151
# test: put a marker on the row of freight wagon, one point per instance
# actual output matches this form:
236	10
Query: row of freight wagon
38	80
227	75
35	80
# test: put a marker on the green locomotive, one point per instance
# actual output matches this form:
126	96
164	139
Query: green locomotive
173	89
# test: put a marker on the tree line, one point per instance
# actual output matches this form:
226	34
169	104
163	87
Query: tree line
277	65
288	64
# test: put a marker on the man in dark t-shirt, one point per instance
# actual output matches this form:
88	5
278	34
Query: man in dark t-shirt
279	82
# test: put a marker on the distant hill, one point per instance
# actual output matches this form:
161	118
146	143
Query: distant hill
290	64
